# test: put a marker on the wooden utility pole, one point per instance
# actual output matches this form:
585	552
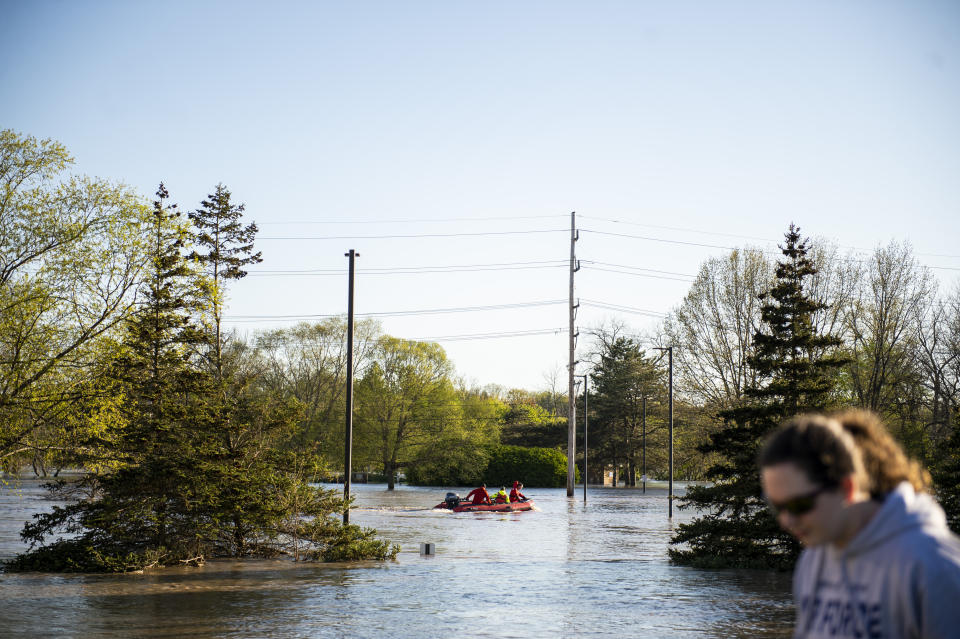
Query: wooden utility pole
571	389
348	439
643	469
669	350
586	394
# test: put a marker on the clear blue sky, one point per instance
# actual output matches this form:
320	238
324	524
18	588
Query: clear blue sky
727	120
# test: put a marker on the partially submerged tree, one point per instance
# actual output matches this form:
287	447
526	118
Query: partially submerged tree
404	404
625	381
184	484
796	372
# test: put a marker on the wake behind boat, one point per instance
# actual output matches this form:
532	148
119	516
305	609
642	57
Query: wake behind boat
457	505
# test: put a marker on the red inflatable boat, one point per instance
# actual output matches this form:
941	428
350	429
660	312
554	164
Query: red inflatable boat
457	505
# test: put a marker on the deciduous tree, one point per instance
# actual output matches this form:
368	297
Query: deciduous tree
72	252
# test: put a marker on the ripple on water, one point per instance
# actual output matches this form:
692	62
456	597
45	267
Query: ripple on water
566	570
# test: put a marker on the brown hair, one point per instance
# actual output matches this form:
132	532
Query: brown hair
884	459
819	446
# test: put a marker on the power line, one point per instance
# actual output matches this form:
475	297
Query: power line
402	270
638	268
734	235
420	220
417	235
622	308
658	277
727	248
457	338
682	230
429	311
657	239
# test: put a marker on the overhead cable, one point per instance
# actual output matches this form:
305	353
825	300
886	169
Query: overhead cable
428	311
416	235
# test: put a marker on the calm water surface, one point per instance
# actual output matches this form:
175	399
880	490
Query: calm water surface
564	570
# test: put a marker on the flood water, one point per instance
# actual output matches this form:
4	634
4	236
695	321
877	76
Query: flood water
564	570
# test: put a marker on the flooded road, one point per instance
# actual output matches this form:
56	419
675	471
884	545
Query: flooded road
564	570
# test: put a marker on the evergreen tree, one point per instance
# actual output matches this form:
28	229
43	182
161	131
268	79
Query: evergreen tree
227	248
145	507
192	476
946	475
622	379
239	422
796	371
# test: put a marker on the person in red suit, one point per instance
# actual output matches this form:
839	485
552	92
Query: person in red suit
515	494
479	495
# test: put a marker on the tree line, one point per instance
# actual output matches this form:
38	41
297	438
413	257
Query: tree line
114	359
195	442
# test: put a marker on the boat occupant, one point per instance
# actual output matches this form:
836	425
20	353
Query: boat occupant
515	494
479	495
501	497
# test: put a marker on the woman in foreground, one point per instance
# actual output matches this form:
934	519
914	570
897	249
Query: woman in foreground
879	560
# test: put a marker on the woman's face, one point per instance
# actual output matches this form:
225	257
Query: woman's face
810	512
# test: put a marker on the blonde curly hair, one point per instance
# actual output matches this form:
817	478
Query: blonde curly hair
884	460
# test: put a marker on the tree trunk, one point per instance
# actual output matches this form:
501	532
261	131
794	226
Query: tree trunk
388	470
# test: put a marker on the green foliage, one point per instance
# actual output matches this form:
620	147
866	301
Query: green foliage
81	555
71	257
226	247
461	451
349	543
526	423
195	470
796	372
624	380
308	362
539	467
946	475
404	404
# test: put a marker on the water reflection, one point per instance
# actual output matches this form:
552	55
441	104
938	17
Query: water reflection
568	569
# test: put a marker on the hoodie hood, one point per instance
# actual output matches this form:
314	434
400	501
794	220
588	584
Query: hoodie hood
899	577
902	510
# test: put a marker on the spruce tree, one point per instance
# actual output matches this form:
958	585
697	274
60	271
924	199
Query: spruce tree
226	247
796	372
621	380
145	505
191	476
946	475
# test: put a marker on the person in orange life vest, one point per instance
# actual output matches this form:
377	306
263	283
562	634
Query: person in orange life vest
515	494
479	495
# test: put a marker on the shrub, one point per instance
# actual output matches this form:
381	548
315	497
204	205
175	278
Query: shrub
536	467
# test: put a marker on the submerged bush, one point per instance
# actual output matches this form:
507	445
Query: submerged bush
122	532
540	467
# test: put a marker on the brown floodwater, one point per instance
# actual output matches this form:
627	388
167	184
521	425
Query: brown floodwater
566	569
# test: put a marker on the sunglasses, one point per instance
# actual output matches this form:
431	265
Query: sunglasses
799	505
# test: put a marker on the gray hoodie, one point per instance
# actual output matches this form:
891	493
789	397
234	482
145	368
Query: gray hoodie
899	577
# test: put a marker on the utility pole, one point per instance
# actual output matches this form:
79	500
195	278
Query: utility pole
348	440
643	471
586	393
669	350
571	391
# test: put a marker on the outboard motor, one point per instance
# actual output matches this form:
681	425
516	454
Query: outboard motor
452	500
